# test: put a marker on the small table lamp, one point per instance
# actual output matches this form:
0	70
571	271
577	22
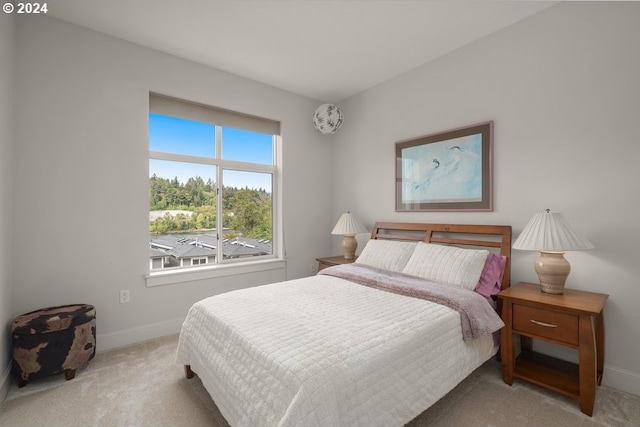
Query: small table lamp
349	226
552	235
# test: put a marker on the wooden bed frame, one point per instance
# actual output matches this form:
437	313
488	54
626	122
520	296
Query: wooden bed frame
497	237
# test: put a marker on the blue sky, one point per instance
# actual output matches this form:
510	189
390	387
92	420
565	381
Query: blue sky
181	136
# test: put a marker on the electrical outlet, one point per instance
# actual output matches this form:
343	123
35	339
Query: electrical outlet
124	296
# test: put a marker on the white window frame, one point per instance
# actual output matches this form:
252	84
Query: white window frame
225	267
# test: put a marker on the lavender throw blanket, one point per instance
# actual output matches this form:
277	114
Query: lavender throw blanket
477	317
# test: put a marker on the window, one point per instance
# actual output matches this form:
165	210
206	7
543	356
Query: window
212	181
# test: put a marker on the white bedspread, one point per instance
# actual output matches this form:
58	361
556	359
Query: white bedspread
322	351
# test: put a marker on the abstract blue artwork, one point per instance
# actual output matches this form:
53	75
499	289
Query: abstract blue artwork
446	171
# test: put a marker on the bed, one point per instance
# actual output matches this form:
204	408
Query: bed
372	343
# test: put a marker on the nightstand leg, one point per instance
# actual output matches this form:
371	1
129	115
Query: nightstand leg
587	356
506	344
600	345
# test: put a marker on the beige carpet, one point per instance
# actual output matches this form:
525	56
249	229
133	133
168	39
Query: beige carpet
142	385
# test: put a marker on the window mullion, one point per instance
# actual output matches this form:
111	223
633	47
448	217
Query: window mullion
244	166
159	155
219	195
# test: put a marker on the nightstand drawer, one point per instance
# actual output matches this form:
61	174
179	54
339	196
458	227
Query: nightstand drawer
545	324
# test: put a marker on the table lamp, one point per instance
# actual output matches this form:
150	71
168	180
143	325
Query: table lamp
349	226
552	235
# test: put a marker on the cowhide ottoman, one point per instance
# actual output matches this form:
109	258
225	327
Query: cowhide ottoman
52	341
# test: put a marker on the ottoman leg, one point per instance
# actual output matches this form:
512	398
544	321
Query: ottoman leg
69	374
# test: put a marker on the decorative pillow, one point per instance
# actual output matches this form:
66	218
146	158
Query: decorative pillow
388	254
447	264
491	277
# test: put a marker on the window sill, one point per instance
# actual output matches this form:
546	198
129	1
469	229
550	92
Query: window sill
162	278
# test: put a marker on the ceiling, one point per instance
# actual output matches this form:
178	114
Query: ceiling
325	50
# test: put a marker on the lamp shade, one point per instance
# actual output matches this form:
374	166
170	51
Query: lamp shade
551	232
328	119
348	224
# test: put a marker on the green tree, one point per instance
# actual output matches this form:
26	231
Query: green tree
247	211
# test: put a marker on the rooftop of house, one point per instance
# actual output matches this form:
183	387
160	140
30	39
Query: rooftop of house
189	246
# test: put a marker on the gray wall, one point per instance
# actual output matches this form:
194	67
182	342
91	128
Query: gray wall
81	176
6	147
564	92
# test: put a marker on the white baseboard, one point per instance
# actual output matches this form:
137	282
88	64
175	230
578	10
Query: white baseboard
5	382
105	342
621	379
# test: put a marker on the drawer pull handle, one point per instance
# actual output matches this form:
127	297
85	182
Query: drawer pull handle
546	325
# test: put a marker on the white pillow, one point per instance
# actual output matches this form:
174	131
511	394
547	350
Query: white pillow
447	264
387	254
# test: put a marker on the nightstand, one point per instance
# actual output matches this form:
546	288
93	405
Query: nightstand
573	319
333	260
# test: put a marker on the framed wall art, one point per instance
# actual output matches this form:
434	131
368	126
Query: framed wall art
447	171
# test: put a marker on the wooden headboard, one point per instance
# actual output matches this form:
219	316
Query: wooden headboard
497	237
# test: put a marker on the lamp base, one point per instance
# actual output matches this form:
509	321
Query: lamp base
349	245
552	269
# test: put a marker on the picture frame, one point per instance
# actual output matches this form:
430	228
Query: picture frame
446	171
